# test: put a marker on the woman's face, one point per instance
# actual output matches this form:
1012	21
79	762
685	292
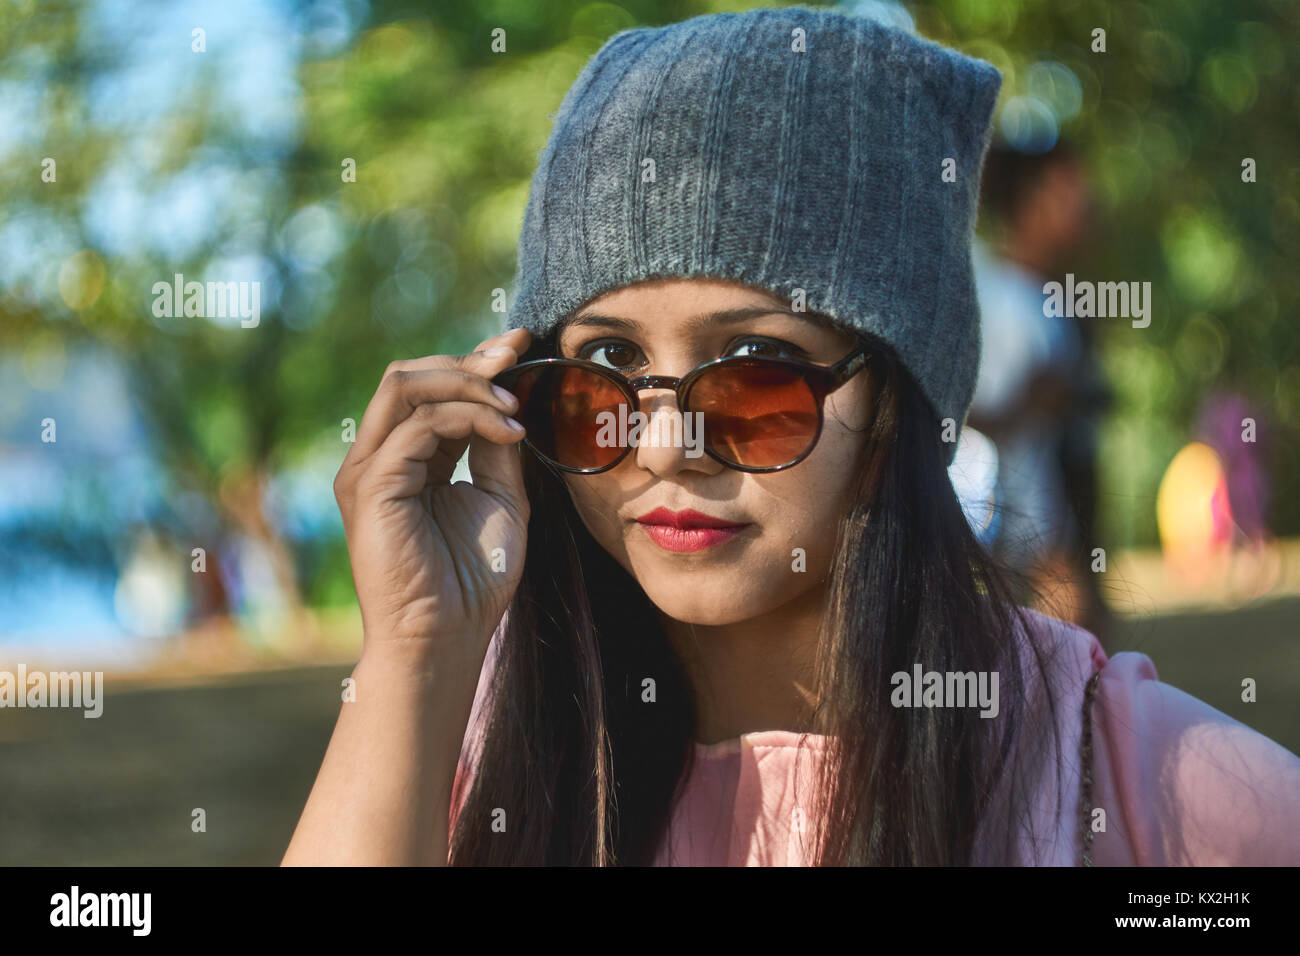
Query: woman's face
668	327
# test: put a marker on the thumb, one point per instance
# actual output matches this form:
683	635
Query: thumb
498	470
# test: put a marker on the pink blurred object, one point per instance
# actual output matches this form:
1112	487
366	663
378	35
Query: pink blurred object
1220	425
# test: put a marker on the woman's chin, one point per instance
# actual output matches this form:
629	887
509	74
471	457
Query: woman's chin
702	616
712	600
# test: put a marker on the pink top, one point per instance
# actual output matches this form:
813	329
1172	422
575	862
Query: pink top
1180	782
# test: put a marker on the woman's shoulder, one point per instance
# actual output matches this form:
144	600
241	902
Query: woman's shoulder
1075	652
1176	781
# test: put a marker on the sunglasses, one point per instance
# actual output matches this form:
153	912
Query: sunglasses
758	414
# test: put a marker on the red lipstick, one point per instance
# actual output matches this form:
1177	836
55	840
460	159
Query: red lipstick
686	531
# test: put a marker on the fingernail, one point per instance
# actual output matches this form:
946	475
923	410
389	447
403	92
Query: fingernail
514	424
499	351
502	394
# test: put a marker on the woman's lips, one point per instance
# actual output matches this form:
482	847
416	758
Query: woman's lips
688	539
686	531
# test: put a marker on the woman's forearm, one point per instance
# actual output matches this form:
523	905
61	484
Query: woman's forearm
384	788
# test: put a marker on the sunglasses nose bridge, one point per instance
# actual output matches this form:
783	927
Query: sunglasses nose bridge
654	381
637	385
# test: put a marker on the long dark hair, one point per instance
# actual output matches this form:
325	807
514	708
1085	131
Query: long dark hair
587	771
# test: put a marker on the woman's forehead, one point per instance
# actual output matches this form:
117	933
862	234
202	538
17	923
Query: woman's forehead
688	302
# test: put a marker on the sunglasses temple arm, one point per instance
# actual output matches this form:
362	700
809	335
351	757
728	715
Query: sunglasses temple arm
847	367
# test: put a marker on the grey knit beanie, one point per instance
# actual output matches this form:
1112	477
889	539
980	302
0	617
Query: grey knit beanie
849	169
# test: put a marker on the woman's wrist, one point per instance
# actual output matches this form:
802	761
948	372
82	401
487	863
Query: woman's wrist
438	660
436	680
425	700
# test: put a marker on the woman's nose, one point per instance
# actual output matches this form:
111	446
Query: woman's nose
671	441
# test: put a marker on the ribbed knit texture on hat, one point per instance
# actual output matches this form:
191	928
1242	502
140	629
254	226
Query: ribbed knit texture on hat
818	170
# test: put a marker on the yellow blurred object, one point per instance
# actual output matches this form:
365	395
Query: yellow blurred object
81	279
1193	512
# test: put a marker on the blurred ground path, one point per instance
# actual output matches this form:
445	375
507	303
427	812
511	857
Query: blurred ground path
120	789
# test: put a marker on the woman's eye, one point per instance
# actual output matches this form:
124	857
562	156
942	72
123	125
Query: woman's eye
766	348
615	355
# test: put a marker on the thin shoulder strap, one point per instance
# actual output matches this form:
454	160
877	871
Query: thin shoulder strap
1085	794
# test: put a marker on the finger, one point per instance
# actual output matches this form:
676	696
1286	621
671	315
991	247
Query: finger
417	446
444	378
517	339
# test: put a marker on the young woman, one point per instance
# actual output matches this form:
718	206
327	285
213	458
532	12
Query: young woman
751	626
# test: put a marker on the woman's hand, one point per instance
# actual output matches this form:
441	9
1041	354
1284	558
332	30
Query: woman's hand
435	562
432	586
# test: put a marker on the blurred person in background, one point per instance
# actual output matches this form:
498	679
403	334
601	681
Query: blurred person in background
1040	393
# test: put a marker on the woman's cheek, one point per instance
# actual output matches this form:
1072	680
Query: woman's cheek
813	529
599	515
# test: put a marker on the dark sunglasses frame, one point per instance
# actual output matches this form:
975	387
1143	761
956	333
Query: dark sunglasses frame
822	380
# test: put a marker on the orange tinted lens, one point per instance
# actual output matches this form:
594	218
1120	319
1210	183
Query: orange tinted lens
560	407
756	416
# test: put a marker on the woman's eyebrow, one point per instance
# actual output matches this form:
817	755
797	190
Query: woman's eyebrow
724	317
